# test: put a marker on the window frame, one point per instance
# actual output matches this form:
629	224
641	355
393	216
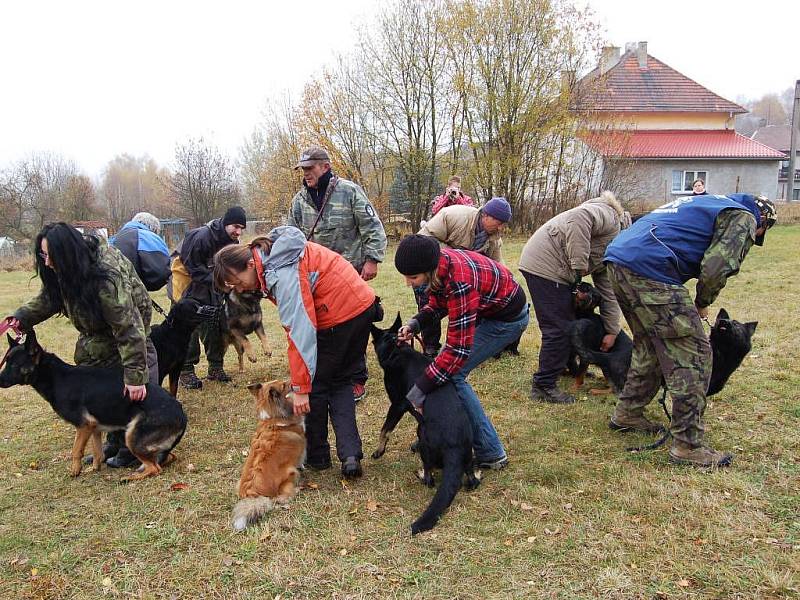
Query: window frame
687	182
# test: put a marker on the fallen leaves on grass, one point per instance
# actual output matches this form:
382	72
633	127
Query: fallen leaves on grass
177	487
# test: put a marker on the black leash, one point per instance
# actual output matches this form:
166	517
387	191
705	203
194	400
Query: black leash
665	436
159	310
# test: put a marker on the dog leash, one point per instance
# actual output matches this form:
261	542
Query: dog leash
158	308
5	325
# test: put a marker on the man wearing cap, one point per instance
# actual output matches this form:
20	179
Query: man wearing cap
336	213
464	228
197	255
705	237
554	260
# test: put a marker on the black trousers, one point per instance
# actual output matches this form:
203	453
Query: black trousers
340	355
555	309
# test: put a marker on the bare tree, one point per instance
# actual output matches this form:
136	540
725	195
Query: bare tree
203	181
130	184
79	200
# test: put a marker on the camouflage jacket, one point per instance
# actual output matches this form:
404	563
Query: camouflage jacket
734	235
121	337
349	226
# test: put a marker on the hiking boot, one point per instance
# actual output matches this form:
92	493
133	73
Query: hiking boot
190	381
351	468
359	391
625	421
553	395
702	456
218	374
124	458
494	465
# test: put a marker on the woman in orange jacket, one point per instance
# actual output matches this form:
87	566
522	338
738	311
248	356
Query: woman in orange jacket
326	309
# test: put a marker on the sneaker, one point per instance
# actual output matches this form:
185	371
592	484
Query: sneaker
702	456
553	395
218	374
624	422
351	468
359	391
319	465
124	458
190	381
494	465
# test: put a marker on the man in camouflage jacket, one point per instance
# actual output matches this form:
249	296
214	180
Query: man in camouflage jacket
704	237
337	214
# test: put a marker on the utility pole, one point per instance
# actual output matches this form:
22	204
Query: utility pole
793	183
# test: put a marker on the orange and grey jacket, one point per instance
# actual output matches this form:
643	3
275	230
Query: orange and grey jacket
314	289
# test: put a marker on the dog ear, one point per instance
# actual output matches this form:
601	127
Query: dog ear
11	341
751	327
398	323
722	315
254	387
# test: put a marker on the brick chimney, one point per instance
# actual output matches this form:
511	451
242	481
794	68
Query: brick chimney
608	58
641	54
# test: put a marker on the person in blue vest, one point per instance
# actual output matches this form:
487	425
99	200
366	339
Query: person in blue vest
140	242
705	237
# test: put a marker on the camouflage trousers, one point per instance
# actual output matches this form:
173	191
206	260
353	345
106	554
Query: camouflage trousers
669	344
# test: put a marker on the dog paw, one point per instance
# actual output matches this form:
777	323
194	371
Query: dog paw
377	454
75	471
252	358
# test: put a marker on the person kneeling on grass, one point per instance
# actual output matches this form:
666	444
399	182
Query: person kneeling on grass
326	309
466	287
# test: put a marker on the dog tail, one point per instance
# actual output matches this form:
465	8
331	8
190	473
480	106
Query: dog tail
452	474
250	510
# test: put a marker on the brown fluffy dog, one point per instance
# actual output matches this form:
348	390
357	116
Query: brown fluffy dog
270	474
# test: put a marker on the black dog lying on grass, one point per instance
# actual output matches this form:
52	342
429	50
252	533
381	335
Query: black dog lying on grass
586	334
92	400
443	430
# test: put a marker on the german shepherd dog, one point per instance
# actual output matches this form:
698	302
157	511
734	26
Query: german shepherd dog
243	317
171	337
272	469
91	399
444	431
586	334
730	342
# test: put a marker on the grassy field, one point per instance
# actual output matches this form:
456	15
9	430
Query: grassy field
573	516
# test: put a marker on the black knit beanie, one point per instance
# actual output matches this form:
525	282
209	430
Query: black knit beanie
417	254
234	216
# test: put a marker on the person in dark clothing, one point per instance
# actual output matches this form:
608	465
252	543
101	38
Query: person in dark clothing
139	242
699	188
197	255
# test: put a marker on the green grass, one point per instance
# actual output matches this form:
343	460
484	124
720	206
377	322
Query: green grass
573	516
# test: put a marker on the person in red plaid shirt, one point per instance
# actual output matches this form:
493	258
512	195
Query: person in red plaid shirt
486	310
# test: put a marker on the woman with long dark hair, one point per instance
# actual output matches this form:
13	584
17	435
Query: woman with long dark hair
97	289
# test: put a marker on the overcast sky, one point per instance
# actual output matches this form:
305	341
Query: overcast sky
91	79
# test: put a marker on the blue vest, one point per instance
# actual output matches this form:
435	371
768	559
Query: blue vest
668	244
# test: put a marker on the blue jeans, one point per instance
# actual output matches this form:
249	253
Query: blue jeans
490	337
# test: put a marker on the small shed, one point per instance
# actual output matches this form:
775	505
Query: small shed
173	231
93	228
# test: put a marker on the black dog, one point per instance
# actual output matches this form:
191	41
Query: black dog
171	337
444	431
730	343
243	317
92	399
586	334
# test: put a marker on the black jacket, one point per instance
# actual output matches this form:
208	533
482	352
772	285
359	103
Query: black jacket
197	255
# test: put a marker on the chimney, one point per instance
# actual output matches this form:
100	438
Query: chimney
608	58
641	54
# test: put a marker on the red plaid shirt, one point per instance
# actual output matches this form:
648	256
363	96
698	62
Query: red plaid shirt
473	286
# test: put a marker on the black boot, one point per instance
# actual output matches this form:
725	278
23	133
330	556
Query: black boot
124	458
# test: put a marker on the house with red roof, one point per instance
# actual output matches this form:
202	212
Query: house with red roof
779	137
659	130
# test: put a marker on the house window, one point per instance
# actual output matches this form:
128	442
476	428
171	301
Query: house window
682	180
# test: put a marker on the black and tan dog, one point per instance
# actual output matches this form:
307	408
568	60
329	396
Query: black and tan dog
443	431
92	400
243	317
586	334
171	337
270	474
